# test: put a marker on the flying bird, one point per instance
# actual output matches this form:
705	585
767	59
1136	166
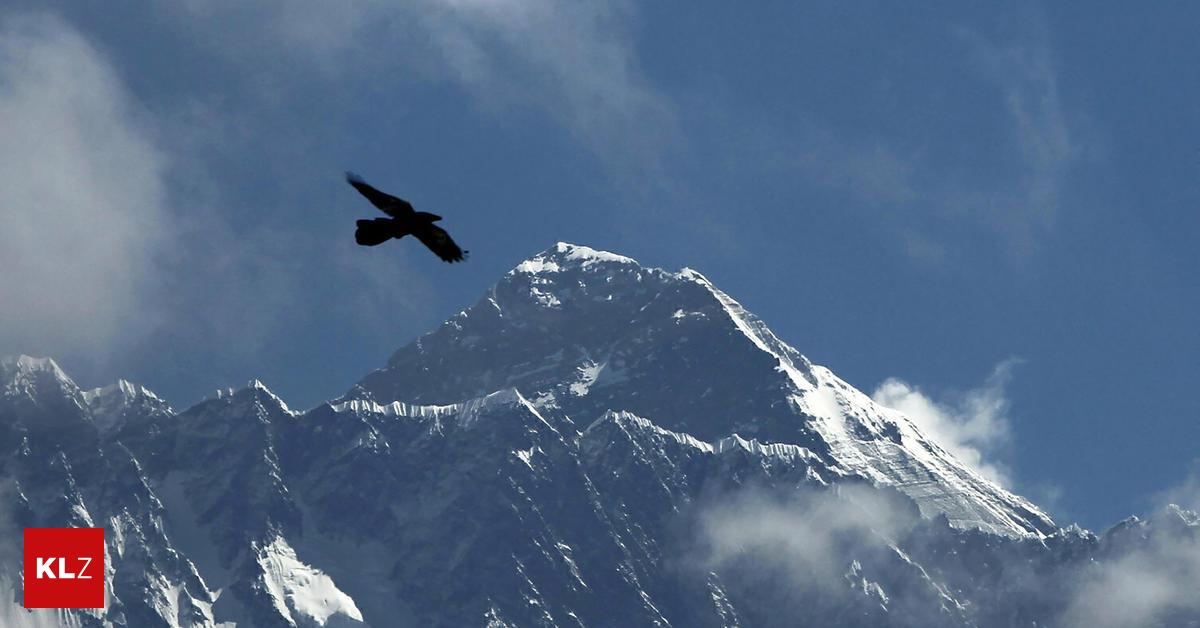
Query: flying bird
404	221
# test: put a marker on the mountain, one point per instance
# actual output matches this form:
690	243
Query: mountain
583	331
593	443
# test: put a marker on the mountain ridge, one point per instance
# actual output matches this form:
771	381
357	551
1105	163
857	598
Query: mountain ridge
639	453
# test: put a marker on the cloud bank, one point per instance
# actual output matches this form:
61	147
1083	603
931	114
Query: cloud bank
852	551
1154	577
1152	586
805	534
117	243
81	193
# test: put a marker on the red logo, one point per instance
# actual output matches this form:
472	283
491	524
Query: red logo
64	567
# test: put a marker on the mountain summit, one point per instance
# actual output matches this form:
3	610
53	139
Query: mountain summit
583	332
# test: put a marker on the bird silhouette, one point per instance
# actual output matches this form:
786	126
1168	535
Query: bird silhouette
404	221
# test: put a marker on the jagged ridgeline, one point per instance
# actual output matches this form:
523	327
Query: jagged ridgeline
593	443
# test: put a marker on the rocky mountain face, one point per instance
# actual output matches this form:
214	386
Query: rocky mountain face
594	443
583	332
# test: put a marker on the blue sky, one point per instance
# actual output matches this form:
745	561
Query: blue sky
985	215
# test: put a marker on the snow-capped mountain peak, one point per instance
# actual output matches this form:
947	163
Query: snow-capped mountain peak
564	256
122	389
12	365
111	404
24	375
586	332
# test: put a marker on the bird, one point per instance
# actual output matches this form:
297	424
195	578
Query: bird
404	221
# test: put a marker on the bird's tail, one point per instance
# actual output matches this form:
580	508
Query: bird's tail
373	232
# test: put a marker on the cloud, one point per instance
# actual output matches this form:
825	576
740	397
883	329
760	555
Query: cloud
1151	583
819	552
1152	572
1025	73
854	549
1141	589
929	204
804	535
1187	493
117	240
97	252
81	192
576	60
851	550
573	63
818	547
973	426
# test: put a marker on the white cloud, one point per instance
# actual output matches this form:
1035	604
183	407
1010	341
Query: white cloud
574	60
1149	571
81	192
1187	493
1150	581
1141	589
809	545
1025	72
928	204
574	63
973	425
96	257
115	240
811	537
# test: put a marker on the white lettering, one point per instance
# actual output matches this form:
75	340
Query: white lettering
62	570
86	561
43	568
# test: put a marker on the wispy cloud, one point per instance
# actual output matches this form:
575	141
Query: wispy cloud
115	241
96	251
573	63
854	549
930	204
805	535
1152	574
576	61
1025	73
973	425
1186	493
820	553
81	192
1145	588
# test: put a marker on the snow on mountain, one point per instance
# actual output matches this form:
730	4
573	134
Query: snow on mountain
112	404
22	370
59	472
42	390
594	443
302	594
586	332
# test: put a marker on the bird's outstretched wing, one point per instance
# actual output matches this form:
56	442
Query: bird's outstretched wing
388	204
440	243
